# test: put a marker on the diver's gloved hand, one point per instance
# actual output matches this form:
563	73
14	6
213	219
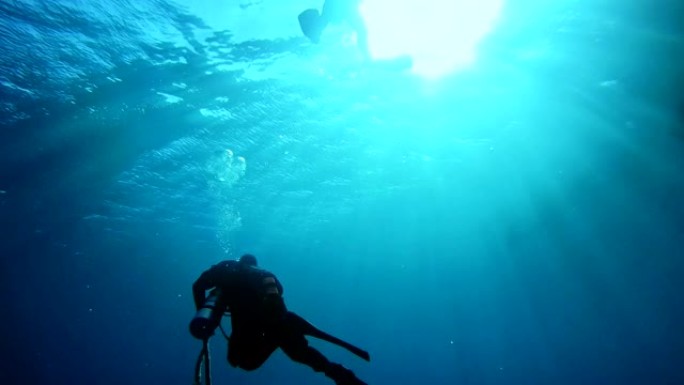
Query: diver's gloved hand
342	375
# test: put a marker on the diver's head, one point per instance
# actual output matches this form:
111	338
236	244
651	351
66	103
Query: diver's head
248	260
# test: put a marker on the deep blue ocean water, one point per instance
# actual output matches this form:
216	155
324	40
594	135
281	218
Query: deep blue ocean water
518	221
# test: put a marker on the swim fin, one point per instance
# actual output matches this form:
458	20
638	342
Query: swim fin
308	329
311	23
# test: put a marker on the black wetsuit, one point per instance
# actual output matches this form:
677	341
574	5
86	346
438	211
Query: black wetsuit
260	320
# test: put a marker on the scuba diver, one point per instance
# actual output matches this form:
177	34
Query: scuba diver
335	11
260	320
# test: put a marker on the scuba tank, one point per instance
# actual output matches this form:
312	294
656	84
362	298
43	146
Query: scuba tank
208	317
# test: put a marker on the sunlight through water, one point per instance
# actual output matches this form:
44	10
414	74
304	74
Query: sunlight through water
440	35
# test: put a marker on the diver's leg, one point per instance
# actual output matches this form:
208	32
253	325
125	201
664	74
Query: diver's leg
295	345
297	348
342	375
249	350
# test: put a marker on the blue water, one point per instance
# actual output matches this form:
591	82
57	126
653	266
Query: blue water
519	221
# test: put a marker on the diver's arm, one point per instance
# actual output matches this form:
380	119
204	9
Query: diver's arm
274	304
279	286
200	287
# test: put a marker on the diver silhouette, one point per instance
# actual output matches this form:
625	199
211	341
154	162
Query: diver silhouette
314	23
260	320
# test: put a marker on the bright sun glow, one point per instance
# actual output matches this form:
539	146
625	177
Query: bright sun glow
440	35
